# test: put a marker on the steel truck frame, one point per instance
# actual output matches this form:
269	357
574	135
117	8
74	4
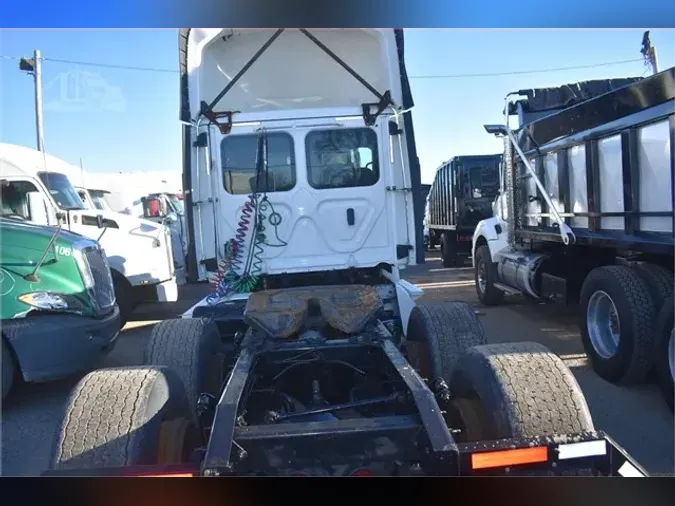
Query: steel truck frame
421	427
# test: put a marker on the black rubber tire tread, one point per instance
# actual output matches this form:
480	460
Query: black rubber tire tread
664	328
524	390
124	296
637	313
448	329
113	418
8	369
492	296
659	281
190	347
448	254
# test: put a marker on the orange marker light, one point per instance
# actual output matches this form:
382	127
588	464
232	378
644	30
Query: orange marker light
505	458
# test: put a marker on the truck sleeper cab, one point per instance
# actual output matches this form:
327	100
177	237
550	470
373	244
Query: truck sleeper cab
57	303
36	187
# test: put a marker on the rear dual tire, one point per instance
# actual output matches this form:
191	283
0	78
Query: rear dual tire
516	390
190	347
143	415
497	390
620	306
125	417
665	351
449	250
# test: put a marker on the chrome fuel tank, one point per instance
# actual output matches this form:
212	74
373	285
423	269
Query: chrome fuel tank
518	269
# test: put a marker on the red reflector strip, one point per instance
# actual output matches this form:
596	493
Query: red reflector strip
505	458
363	472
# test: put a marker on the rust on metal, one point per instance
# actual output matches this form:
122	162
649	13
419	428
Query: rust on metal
283	313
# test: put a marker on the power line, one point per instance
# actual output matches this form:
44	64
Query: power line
516	72
441	76
104	65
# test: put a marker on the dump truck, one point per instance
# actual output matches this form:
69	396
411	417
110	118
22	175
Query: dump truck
311	357
585	216
461	195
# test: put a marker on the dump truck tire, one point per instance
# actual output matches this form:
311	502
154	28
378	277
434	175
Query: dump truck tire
440	333
516	390
665	351
124	296
116	418
659	281
191	348
630	360
448	250
488	295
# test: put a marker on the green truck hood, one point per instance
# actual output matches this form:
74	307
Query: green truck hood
21	247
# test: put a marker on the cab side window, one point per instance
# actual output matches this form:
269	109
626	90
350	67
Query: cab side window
14	199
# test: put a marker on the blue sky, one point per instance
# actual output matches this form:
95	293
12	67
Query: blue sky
139	130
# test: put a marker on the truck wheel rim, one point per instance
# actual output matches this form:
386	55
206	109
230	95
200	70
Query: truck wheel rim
175	438
473	422
602	321
482	282
671	354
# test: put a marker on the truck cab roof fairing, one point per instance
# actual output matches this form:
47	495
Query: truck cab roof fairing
211	58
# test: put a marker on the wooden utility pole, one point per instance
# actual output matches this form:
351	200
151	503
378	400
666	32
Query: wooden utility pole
649	53
34	66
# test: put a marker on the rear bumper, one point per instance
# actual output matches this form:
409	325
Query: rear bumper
585	454
49	347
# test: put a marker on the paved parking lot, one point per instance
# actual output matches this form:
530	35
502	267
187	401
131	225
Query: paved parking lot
636	417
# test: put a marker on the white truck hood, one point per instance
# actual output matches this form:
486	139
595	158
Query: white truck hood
126	224
139	249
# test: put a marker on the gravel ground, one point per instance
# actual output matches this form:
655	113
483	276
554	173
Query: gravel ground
635	417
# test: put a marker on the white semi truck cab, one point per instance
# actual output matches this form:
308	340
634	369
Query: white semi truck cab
93	198
36	188
96	199
323	153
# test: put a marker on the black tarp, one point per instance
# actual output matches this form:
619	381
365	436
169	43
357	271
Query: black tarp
567	95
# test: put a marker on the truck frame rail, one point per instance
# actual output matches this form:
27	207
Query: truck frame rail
592	453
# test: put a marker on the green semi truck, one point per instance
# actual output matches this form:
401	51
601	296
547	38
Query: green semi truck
57	303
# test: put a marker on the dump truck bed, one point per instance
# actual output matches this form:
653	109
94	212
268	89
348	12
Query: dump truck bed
607	163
